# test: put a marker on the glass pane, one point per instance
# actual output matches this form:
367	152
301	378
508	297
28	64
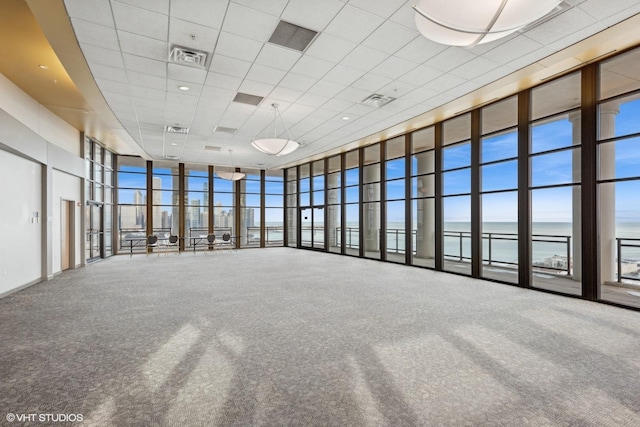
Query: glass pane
132	180
456	156
500	146
318	167
304	171
371	173
558	95
247	186
457	234
274	226
318	197
396	237
556	168
352	194
395	168
274	175
305	199
372	154
423	163
222	185
554	228
351	159
423	241
131	197
318	228
395	189
551	134
223	219
500	115
500	176
318	183
457	129
619	159
352	177
333	196
250	200
352	234
333	180
371	192
197	217
333	239
132	218
292	230
273	187
305	184
334	164
223	199
500	236
423	186
619	117
395	148
423	139
292	174
163	220
249	227
457	182
273	201
620	242
619	75
371	230
168	197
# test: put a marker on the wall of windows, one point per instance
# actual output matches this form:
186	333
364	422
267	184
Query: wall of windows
274	208
535	190
99	195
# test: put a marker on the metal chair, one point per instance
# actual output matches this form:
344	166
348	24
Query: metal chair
172	243
227	241
211	241
152	242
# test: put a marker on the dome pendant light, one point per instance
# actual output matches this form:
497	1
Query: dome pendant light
471	22
231	175
276	146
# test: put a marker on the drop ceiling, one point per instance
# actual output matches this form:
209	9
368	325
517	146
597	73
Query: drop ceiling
121	65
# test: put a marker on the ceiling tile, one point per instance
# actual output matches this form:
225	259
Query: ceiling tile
222	81
325	88
514	48
398	89
96	35
420	94
272	7
343	75
338	105
109	73
147	80
393	67
264	74
444	83
390	37
213	96
561	26
420	75
145	65
187	74
420	50
364	58
101	55
450	58
278	57
193	36
249	23
312	67
342	25
312	100
230	66
405	15
238	47
476	67
382	8
128	18
330	48
161	6
113	87
371	82
96	11
174	86
353	94
286	95
314	15
143	46
256	88
297	82
203	12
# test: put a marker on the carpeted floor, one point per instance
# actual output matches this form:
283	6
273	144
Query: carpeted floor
288	337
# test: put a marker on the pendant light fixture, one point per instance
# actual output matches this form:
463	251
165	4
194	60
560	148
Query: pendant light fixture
274	144
231	175
471	22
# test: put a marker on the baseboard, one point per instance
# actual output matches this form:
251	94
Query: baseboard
19	288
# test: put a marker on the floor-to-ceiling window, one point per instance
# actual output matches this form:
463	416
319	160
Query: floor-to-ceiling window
196	187
99	200
292	207
274	208
351	233
423	197
333	205
223	206
456	194
318	205
371	218
395	200
250	208
619	179
132	203
555	133
499	190
305	224
165	200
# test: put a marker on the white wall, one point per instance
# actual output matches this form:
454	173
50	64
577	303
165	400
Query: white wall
67	187
20	197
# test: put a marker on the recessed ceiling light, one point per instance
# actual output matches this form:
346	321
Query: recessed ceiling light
174	144
183	87
346	118
44	67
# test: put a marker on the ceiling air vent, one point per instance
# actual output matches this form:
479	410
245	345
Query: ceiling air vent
292	36
223	129
377	100
211	148
245	98
172	157
185	56
176	129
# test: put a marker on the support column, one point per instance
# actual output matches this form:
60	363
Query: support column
607	199
425	238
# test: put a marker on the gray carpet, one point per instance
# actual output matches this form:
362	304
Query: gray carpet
288	337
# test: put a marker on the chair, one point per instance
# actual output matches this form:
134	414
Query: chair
226	241
172	243
152	242
211	241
